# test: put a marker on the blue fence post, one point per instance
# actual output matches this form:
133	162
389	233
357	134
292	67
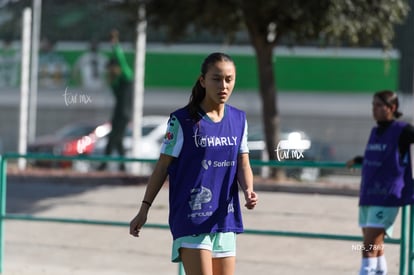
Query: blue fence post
404	239
3	171
411	240
181	269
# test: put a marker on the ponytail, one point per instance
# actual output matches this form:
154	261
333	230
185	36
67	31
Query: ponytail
197	95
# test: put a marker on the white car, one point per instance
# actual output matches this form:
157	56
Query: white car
153	131
293	145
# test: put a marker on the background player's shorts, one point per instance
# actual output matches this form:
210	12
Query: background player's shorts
378	217
220	244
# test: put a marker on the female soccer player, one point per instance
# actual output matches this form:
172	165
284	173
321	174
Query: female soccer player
386	182
205	155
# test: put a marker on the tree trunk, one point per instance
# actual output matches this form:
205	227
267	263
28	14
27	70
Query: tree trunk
267	88
270	114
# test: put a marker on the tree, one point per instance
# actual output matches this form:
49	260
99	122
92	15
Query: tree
69	20
404	43
353	22
268	24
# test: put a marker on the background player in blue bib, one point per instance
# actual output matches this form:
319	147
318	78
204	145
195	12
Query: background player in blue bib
386	179
205	156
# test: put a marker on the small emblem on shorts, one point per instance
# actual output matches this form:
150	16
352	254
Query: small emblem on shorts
380	215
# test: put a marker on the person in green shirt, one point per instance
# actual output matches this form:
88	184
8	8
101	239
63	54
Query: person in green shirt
120	77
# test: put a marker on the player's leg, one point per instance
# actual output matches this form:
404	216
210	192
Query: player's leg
224	266
206	254
196	261
373	242
195	253
224	253
377	222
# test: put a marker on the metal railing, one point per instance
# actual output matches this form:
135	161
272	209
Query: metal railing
406	240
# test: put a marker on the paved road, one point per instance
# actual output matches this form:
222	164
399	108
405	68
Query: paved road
34	248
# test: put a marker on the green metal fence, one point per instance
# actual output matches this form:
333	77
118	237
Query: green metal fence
406	240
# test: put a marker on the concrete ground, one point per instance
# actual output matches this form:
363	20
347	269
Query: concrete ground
47	248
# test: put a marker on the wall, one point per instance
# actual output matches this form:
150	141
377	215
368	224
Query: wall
296	69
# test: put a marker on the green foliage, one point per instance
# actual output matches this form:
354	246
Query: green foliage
73	20
327	22
178	19
324	22
362	22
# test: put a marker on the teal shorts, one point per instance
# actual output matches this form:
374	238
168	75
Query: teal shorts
220	244
378	217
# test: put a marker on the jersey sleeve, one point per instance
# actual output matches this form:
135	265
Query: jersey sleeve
243	145
120	56
173	139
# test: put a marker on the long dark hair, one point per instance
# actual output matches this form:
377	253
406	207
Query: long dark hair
389	98
198	92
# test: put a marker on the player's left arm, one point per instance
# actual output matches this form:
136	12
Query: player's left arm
245	179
